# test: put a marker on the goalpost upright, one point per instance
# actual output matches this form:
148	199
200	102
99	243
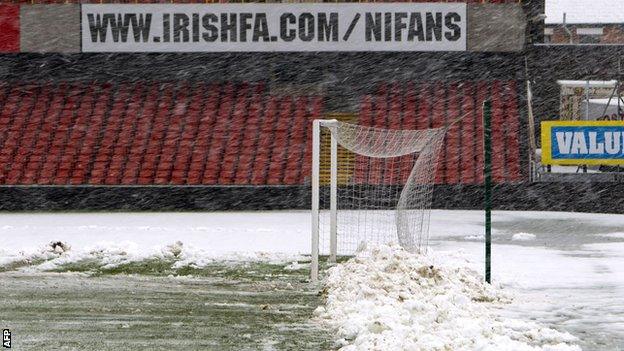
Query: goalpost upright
316	157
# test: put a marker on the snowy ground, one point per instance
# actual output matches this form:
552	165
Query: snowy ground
565	269
570	276
386	298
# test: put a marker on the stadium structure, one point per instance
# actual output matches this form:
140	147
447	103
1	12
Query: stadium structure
317	173
188	130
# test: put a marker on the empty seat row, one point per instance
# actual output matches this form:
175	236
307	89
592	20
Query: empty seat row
153	133
202	133
457	106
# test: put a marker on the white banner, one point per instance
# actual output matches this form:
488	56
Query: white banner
274	27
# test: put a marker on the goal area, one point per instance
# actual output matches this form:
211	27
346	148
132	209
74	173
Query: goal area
370	186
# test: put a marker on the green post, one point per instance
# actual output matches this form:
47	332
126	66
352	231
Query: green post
487	173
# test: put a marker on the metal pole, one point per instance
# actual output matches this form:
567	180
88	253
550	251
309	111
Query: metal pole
333	199
487	172
565	27
316	146
604	111
617	86
531	117
619	95
587	101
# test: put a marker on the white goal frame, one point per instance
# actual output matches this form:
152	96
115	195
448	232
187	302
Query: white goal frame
333	197
415	195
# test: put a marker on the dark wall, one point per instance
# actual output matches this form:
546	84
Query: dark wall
582	197
348	67
341	77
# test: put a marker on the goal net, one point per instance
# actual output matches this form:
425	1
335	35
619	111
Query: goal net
370	185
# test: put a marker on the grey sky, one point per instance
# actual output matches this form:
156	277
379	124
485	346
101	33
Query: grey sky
585	11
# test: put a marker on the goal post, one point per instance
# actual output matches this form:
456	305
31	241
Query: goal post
370	185
316	150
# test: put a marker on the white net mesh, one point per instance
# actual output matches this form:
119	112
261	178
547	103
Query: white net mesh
385	182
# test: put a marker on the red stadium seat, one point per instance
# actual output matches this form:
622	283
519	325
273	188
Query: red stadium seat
93	134
482	95
438	119
376	171
409	122
280	143
498	135
236	129
296	143
197	140
219	136
179	139
155	140
250	139
468	139
512	133
453	151
61	134
360	174
439	104
28	140
315	105
144	133
111	128
71	143
175	124
13	132
126	130
265	142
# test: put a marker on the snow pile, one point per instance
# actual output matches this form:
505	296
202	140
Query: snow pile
51	251
479	237
388	299
107	255
523	237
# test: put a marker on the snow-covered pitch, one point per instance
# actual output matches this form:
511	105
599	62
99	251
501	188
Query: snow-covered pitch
558	281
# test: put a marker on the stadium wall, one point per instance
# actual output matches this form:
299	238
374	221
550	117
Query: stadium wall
83	161
579	197
63	129
360	75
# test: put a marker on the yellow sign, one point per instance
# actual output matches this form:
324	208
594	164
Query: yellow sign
583	143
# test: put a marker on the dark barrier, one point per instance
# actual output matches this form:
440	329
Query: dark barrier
341	77
579	197
152	198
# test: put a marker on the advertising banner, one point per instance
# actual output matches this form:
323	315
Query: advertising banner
273	27
583	143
